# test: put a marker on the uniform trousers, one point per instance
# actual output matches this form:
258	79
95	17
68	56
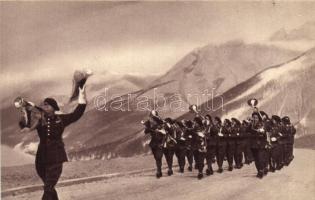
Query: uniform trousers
49	173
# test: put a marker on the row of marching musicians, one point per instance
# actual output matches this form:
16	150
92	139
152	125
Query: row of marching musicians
266	141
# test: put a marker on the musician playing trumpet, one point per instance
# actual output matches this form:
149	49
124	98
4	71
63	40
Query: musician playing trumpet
51	152
258	143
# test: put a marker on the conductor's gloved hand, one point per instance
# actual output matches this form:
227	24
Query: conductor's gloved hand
82	95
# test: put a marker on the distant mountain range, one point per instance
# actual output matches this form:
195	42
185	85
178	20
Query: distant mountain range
304	32
280	79
117	84
285	89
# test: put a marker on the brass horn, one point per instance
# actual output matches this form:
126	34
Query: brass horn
253	103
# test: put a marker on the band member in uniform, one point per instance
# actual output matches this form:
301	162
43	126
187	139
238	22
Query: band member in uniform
188	134
245	129
231	143
154	127
289	131
266	152
239	143
218	130
194	110
275	149
170	144
281	140
51	152
200	145
258	143
180	148
211	145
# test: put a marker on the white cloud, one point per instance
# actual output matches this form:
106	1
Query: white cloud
26	148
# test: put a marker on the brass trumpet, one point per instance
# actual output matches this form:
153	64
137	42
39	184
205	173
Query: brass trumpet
30	113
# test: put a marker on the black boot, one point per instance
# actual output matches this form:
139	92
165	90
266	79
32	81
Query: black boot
190	168
158	174
170	172
260	174
266	171
230	168
272	169
200	176
208	172
220	170
279	167
181	170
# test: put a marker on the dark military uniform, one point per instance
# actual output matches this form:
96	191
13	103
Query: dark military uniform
169	146
220	134
180	148
275	149
199	141
158	137
266	150
288	131
282	140
231	144
258	144
51	152
239	145
211	148
188	134
245	131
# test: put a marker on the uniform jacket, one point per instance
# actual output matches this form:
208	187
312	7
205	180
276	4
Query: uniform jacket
170	136
245	132
211	134
238	134
50	129
258	136
157	133
275	136
231	134
214	132
179	137
289	132
199	139
188	134
283	134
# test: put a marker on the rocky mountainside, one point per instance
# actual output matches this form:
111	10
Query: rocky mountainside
135	142
235	69
285	89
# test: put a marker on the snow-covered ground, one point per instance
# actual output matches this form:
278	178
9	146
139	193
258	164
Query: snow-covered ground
291	183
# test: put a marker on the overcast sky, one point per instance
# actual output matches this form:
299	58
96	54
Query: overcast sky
44	39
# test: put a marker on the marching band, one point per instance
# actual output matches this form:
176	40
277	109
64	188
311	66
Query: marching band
266	141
